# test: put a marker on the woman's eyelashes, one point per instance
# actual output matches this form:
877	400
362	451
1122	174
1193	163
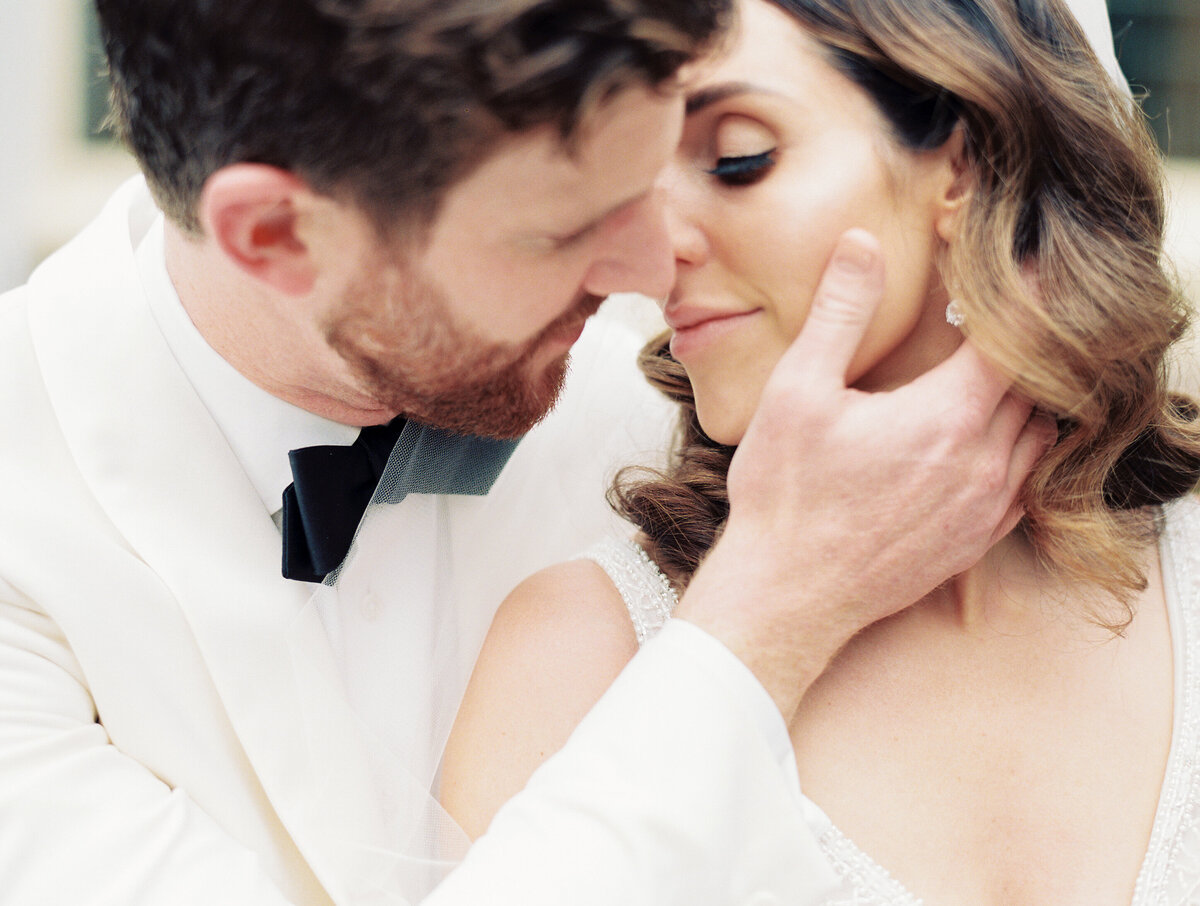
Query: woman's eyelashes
743	169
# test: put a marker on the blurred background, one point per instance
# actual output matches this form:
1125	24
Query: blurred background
57	165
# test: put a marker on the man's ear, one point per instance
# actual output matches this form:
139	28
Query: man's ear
957	185
252	212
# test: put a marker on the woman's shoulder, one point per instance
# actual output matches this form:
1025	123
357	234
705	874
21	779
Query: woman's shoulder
556	644
611	595
573	604
562	636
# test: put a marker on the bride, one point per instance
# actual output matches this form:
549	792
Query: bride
1028	732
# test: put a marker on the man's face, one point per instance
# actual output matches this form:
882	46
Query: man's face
471	332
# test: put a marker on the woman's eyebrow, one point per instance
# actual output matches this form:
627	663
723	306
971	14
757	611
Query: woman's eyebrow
714	94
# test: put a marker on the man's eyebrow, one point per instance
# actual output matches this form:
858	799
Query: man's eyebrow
714	94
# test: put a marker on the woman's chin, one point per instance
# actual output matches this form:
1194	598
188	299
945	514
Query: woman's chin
724	430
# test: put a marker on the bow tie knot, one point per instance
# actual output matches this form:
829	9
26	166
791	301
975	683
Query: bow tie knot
333	485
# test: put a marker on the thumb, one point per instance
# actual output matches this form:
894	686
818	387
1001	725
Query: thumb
846	300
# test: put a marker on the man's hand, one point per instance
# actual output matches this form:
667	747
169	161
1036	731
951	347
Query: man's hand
847	506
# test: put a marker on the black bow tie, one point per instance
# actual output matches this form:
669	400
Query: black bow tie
332	485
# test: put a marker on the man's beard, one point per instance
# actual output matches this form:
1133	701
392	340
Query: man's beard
418	363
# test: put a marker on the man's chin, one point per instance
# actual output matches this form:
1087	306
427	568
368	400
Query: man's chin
503	406
512	414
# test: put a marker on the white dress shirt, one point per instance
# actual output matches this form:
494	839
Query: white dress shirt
259	427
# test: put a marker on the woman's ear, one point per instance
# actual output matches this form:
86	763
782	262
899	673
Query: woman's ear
253	213
957	184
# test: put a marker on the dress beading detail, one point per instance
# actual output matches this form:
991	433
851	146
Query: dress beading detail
864	881
1170	874
646	591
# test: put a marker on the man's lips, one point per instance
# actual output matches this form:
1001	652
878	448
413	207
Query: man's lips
568	327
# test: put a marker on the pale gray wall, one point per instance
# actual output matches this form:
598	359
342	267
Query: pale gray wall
52	180
21	37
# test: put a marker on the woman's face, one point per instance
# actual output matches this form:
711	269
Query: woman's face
780	155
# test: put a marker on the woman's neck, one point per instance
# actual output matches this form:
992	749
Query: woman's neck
1012	591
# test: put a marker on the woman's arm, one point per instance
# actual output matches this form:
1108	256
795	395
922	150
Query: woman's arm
557	643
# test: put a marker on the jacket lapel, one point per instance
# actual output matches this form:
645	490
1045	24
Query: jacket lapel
137	431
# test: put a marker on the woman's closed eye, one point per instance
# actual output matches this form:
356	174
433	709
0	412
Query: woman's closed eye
743	169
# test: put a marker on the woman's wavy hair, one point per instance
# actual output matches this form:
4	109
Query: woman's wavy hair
1067	187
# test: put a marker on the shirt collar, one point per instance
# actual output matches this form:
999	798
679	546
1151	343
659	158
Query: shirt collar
260	428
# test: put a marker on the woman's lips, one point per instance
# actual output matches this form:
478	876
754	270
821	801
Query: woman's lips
696	329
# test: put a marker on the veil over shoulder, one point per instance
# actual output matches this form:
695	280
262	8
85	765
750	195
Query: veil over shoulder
407	612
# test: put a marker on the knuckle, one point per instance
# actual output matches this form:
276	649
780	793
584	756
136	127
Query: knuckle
840	307
988	483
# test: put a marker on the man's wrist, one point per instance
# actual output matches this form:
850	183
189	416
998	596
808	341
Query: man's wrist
734	598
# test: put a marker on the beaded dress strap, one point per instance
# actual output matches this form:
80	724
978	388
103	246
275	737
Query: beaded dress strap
647	593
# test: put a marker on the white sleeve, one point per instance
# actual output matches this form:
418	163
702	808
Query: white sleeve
80	822
678	788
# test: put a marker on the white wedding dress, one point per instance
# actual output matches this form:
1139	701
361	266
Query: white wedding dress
1170	872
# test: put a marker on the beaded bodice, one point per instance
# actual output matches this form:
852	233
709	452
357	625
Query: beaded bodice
1170	873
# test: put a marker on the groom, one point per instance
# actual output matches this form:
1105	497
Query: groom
365	210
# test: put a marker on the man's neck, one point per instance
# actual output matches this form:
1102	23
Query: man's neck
272	340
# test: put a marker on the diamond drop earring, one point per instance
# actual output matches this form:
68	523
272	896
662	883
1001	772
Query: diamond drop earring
954	314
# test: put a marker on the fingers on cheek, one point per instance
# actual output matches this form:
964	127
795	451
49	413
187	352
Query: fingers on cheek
792	404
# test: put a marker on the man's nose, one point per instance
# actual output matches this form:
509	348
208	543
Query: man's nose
637	256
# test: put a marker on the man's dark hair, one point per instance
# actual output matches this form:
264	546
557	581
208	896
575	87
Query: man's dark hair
383	102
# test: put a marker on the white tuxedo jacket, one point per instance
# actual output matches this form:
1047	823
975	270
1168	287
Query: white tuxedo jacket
172	729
